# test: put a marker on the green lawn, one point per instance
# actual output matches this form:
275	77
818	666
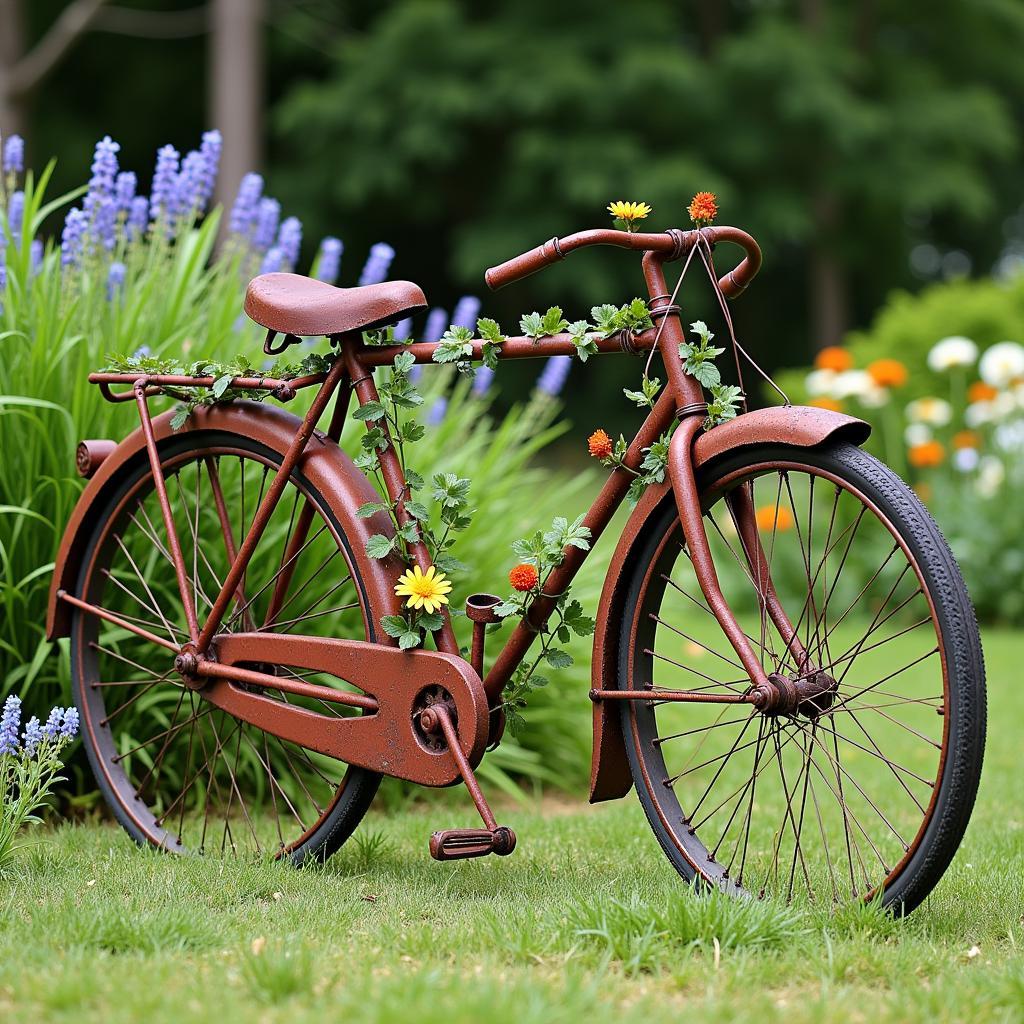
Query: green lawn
585	921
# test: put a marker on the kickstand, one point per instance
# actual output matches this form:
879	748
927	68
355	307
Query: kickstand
460	843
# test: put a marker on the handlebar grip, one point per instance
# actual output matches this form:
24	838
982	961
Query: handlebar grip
737	279
523	265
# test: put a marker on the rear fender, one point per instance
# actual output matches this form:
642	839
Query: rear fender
323	464
797	426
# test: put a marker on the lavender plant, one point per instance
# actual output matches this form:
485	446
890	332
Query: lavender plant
29	768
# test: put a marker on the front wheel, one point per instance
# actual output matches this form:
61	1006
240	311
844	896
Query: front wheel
864	790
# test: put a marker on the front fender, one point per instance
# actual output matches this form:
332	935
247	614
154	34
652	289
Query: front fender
323	464
798	426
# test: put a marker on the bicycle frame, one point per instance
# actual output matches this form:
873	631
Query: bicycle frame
213	663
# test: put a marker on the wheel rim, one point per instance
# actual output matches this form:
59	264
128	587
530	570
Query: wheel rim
188	776
818	803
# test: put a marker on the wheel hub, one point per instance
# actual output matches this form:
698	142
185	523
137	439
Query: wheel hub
426	723
809	695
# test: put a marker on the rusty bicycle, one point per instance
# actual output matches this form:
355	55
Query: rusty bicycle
786	665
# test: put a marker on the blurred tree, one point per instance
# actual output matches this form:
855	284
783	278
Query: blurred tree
839	133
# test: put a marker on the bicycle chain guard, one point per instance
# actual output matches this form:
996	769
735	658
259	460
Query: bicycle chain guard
386	740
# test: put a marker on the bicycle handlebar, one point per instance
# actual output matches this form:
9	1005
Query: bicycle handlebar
674	244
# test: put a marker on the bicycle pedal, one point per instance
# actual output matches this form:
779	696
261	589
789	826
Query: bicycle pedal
463	843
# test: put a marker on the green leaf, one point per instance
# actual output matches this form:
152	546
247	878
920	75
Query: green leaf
430	620
417	510
179	417
404	362
532	325
379	546
369	411
410	639
221	384
489	330
554	322
371	508
557	658
394	625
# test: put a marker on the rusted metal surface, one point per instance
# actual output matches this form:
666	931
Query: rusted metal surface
323	463
385	740
480	611
674	696
672	245
303	306
793	425
89	455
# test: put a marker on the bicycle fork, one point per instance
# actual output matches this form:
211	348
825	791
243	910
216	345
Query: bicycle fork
767	692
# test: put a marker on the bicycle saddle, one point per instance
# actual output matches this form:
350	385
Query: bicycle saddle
305	307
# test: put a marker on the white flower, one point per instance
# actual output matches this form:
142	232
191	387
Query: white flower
875	397
966	459
852	384
820	382
951	353
917	433
1010	436
936	412
1002	364
991	474
977	414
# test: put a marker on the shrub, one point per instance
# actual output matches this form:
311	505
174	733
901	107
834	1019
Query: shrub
948	414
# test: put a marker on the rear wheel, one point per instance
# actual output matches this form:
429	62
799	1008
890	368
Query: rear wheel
178	772
867	787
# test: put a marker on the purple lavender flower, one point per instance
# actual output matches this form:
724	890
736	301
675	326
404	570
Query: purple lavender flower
466	312
35	255
115	279
165	183
99	205
191	181
53	724
210	149
243	213
437	411
72	239
267	215
273	261
402	331
482	380
377	264
70	723
104	166
289	240
16	213
124	190
3	269
437	324
138	217
329	264
33	735
10	719
553	376
14	154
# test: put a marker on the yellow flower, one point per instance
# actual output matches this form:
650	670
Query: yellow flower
427	590
628	212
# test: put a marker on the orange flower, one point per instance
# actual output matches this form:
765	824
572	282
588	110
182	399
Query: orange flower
703	209
771	517
926	455
979	391
600	445
966	439
523	577
833	358
833	404
888	373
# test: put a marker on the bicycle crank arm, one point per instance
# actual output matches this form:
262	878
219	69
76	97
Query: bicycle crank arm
249	670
